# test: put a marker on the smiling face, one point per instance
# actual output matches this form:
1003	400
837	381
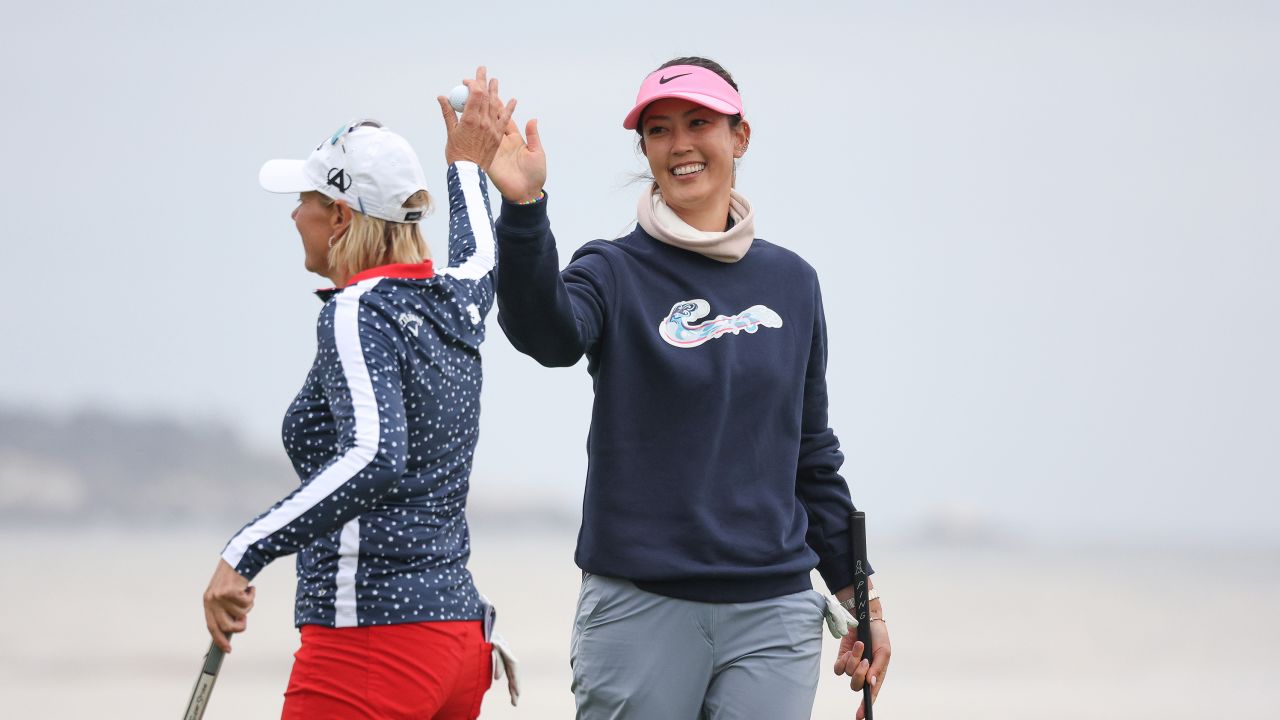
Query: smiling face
691	150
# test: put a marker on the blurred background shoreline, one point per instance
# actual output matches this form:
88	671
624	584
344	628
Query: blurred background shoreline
92	468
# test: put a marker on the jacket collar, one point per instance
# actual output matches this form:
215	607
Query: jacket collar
410	271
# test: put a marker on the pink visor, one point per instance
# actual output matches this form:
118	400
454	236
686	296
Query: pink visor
689	82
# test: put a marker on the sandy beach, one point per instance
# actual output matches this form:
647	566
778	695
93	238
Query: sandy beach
107	623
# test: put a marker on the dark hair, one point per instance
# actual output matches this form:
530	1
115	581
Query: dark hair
701	62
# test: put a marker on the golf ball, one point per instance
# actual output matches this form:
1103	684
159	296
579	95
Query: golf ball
458	97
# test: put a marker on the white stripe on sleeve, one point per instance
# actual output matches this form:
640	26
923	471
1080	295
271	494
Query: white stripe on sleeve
346	331
482	260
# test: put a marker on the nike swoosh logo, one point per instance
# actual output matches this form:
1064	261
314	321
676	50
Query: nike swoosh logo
664	79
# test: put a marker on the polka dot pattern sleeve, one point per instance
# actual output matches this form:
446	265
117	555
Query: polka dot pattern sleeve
472	252
358	369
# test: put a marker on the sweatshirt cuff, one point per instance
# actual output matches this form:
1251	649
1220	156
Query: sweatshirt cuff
529	219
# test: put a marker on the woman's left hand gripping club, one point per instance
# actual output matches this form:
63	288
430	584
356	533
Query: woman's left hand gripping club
227	602
849	659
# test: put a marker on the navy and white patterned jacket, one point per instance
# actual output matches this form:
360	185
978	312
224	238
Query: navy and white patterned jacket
382	436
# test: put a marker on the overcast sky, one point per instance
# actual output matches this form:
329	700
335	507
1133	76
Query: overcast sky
1048	233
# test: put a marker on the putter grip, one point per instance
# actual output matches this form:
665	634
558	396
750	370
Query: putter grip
858	555
212	660
204	684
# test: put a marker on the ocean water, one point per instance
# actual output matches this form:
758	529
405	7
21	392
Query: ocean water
108	623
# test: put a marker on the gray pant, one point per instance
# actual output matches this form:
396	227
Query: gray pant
640	656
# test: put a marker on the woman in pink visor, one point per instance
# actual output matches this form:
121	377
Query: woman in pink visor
713	484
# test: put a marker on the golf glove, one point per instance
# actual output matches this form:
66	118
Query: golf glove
839	621
503	660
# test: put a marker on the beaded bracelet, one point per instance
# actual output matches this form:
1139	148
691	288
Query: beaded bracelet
540	198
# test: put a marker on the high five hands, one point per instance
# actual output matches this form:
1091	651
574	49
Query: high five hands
477	135
487	136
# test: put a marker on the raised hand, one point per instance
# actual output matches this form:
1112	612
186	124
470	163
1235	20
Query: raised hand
478	134
519	169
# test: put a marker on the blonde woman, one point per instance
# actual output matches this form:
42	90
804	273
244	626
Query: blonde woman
382	432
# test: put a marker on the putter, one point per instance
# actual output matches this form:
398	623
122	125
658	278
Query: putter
204	684
858	550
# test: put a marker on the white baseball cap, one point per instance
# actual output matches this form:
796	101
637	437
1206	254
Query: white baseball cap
373	169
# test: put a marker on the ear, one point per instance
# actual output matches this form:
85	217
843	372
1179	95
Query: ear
742	139
340	218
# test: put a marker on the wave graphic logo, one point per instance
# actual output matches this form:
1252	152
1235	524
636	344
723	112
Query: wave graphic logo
679	328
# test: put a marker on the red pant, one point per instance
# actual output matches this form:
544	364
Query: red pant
423	671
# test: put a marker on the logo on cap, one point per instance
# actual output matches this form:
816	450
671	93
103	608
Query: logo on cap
664	79
338	178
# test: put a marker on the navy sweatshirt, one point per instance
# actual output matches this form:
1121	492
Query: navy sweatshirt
712	473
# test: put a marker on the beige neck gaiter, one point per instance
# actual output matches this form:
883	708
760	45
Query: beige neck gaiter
728	246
